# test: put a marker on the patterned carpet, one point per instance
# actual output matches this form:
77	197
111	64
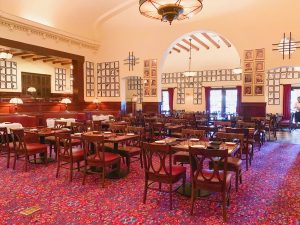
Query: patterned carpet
270	194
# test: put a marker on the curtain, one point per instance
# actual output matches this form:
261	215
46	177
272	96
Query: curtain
239	100
207	98
287	88
171	98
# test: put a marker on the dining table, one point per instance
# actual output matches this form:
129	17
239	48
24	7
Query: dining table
10	125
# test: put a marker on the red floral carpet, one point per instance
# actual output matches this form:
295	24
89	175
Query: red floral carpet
270	194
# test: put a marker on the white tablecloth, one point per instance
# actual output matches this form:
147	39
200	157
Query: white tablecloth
11	126
102	117
50	121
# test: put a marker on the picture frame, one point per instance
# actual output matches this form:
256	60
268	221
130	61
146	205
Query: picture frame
154	63
248	90
153	73
260	54
248	67
259	90
147	63
154	83
259	66
146	91
146	73
248	55
153	92
259	78
248	78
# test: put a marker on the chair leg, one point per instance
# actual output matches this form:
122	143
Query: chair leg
145	191
103	176
58	167
141	160
183	184
26	162
84	174
128	162
78	166
15	160
224	206
192	200
34	158
8	159
171	200
71	171
240	176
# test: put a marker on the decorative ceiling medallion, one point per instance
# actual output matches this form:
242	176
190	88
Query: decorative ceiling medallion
286	46
131	61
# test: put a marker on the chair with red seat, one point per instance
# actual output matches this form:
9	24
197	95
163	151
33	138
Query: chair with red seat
157	161
5	145
96	157
215	180
66	154
26	145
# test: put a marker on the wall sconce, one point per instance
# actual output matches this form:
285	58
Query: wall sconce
16	102
66	101
97	102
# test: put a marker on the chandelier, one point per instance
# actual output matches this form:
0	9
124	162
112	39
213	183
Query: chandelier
190	73
169	10
5	55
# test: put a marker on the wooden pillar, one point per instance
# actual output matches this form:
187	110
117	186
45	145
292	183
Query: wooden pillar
78	82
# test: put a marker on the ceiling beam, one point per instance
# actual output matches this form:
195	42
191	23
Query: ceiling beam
40	58
211	40
48	60
199	41
66	63
58	61
183	47
21	53
28	56
176	49
192	45
225	41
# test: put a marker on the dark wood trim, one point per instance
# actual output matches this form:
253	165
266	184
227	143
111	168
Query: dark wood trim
153	107
253	109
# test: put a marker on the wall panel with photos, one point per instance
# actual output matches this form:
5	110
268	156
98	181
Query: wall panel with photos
273	82
90	79
196	82
254	72
108	79
135	84
60	79
150	77
8	75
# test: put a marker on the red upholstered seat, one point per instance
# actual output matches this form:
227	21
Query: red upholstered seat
109	157
78	154
34	148
76	142
236	162
207	174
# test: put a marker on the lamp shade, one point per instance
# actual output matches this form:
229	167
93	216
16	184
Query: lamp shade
96	101
31	89
16	101
66	101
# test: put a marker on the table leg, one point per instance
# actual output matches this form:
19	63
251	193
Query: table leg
121	173
188	191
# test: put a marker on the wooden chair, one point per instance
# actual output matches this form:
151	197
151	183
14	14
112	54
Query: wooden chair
132	149
97	125
183	156
158	131
78	127
5	146
66	154
95	156
117	128
216	180
26	145
157	160
234	163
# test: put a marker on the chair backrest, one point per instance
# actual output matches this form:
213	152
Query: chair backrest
244	131
4	140
157	160
218	160
232	137
78	127
97	125
19	140
60	124
63	145
117	128
190	133
242	124
93	146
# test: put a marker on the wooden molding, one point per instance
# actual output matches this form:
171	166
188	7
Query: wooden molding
40	58
183	47
21	53
176	49
192	45
199	41
211	40
66	63
28	56
225	41
48	60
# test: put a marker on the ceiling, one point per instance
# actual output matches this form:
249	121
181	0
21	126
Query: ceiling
83	18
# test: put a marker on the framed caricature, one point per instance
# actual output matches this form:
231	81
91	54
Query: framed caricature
259	78
248	90
248	55
248	67
258	90
248	78
260	54
259	66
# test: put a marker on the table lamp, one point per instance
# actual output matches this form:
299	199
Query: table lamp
66	101
16	102
97	102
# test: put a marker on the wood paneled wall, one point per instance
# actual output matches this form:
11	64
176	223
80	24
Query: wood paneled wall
151	107
253	109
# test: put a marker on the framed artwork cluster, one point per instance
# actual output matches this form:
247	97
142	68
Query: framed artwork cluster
254	72
108	79
8	75
181	91
71	79
90	79
197	91
60	79
150	77
135	83
273	79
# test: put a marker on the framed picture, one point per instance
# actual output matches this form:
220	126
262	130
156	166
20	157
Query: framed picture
146	63
146	73
248	55
260	54
153	91
154	63
147	82
153	83
153	73
259	66
259	78
248	67
248	78
248	90
259	90
146	91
